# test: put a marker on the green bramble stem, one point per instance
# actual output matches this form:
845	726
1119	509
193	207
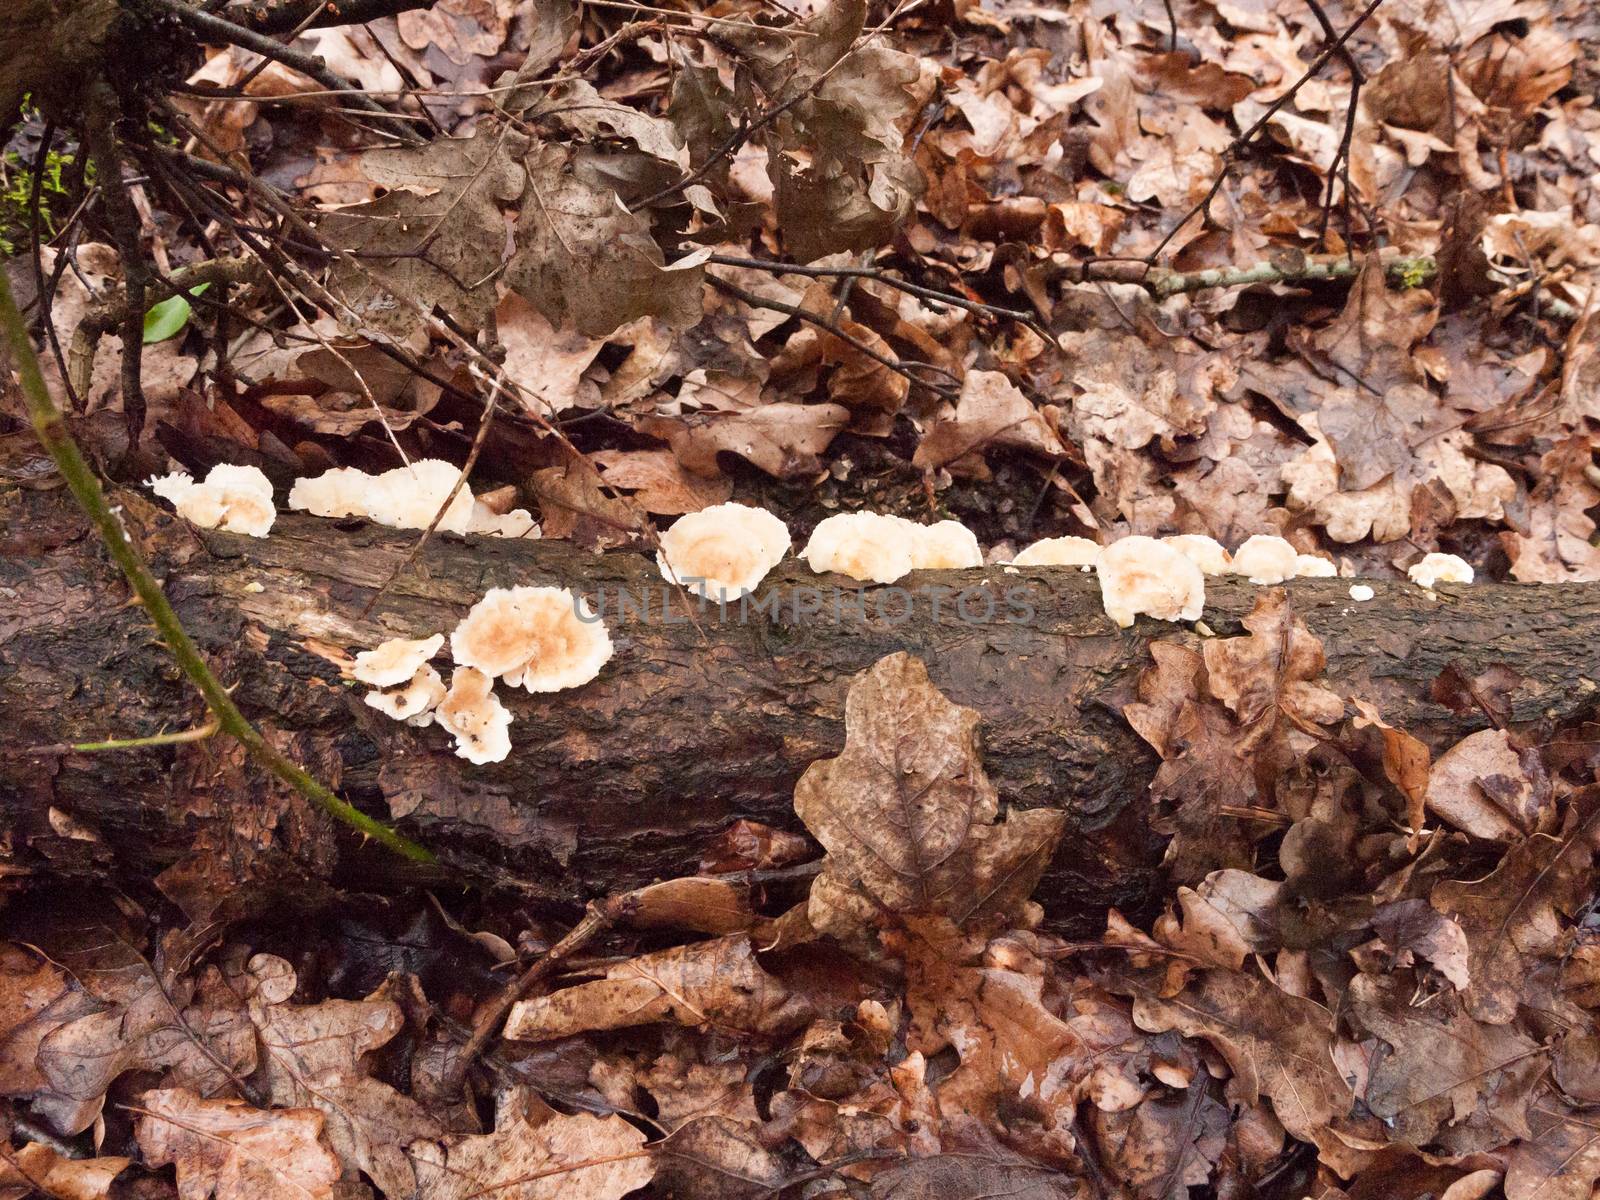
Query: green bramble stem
53	434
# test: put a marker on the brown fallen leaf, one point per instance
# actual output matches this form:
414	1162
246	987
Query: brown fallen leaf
1513	916
229	1150
906	812
1406	763
991	411
1560	1161
715	1156
944	1177
1276	1044
314	1057
716	984
34	1169
1485	786
561	1158
1448	1079
715	906
659	483
1415	928
782	439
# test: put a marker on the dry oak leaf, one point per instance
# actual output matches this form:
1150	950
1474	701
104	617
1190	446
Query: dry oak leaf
659	483
584	260
437	239
1406	762
717	1156
1276	1043
784	440
1485	787
1273	668
315	1057
716	984
908	815
562	1158
991	411
36	998
946	1176
1443	1067
36	1170
1513	916
227	1149
1560	1161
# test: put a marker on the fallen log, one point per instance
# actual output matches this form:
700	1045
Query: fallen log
695	722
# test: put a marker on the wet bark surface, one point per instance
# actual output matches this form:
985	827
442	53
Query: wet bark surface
693	724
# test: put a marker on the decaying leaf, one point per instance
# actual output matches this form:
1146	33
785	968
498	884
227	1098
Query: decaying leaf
231	1151
35	1169
559	1158
906	812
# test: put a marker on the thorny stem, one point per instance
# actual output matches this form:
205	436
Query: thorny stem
53	434
198	734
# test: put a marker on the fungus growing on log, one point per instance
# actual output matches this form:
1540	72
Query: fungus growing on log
1204	552
1314	566
1440	568
1059	552
410	497
395	661
868	547
1264	559
1141	575
341	492
544	638
722	551
474	715
944	546
414	701
234	498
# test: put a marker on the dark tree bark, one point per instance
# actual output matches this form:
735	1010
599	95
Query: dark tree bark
687	729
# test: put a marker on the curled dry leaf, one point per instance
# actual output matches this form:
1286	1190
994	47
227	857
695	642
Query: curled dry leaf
716	984
908	815
1484	786
231	1151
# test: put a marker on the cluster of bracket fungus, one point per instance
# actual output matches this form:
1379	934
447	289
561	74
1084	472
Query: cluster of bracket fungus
235	498
407	497
239	499
545	639
1140	575
875	548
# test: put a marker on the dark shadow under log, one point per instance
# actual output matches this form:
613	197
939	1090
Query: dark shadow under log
688	728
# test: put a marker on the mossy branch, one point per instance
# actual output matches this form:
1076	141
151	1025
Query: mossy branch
51	428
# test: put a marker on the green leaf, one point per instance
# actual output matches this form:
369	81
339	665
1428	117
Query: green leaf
168	318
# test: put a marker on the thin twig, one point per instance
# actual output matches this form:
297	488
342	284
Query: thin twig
226	33
811	318
600	916
51	428
1237	146
182	737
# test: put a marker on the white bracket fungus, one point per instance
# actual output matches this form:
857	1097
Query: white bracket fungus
944	546
414	701
1314	566
1361	592
234	498
474	715
722	551
1440	568
1059	552
1265	559
865	546
1204	552
1141	575
406	498
395	661
544	638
